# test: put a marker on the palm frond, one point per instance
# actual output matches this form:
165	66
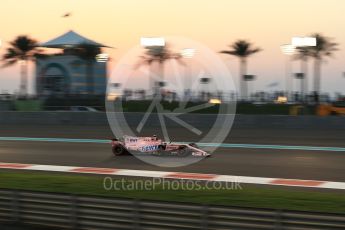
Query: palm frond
241	48
228	52
324	46
9	63
21	48
302	53
158	54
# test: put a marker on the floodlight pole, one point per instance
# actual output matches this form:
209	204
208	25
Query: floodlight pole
188	53
288	50
304	84
148	42
304	42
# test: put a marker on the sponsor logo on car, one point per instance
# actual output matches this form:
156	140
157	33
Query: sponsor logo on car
133	140
149	148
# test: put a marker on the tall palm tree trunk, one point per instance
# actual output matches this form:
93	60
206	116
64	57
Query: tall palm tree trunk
23	78
151	79
317	75
155	77
161	78
288	76
243	83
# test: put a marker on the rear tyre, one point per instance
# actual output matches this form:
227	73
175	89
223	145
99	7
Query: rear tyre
183	151
118	150
161	150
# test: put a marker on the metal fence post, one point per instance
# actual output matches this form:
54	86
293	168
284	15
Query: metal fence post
278	219
136	214
74	212
204	217
15	206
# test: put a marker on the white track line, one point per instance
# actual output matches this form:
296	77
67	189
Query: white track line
178	175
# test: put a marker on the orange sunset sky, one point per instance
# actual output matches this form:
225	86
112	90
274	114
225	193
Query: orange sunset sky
215	23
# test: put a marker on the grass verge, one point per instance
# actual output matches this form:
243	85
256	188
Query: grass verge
250	196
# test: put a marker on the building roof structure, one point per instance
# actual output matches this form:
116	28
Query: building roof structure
70	39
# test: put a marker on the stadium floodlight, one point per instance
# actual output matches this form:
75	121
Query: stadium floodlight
103	57
188	53
281	100
288	49
303	41
152	41
112	96
215	101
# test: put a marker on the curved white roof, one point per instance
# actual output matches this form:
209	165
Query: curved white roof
70	38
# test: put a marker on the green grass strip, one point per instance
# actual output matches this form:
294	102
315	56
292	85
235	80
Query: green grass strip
250	196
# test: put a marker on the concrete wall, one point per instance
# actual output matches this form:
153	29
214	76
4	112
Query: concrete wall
6	105
201	120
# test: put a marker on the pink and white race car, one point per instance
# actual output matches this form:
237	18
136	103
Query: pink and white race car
154	146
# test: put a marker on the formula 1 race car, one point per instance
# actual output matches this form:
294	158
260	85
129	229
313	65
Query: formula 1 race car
154	146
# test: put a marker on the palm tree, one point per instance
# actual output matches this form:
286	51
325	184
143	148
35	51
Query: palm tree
158	54
88	53
242	49
22	50
324	48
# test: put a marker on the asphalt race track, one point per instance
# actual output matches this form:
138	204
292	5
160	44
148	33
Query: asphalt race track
275	163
